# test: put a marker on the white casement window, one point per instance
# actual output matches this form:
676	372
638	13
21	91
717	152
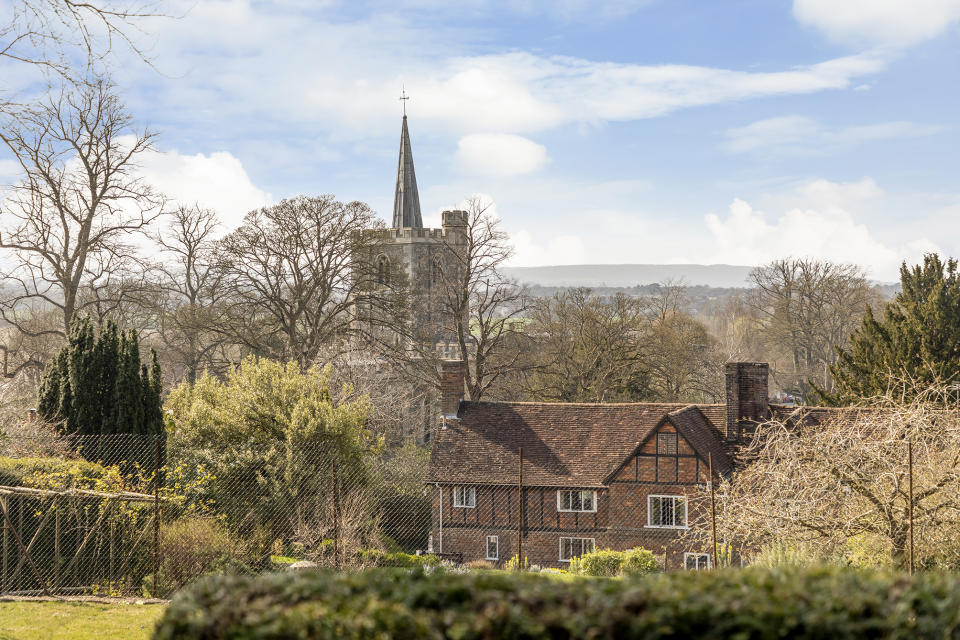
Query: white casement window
493	548
669	512
576	500
465	497
575	547
696	561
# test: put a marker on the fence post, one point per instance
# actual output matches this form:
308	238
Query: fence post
713	510
910	501
336	515
56	541
520	502
156	512
3	580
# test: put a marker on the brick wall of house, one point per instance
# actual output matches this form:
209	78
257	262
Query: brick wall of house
620	521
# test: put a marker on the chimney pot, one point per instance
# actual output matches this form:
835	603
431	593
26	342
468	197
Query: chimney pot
453	375
747	396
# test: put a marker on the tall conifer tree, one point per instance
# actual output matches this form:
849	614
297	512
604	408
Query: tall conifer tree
97	385
915	343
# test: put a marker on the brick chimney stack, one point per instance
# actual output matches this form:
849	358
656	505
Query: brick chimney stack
453	375
747	396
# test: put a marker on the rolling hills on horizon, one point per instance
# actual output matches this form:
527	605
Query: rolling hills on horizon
628	275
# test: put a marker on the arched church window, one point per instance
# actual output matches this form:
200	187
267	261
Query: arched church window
383	270
436	272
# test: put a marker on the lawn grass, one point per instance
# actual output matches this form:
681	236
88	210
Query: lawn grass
77	620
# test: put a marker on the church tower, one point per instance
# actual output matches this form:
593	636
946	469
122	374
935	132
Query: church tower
426	260
423	255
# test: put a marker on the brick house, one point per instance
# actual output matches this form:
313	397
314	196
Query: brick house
594	475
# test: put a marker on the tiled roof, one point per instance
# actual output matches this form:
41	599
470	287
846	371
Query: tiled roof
564	444
692	425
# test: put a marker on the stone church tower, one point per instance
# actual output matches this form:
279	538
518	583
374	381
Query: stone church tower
422	255
424	259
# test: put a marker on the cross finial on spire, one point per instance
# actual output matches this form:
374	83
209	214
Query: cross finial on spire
403	98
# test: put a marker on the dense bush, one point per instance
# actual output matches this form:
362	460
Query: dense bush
639	562
192	547
607	563
59	474
400	559
825	602
604	563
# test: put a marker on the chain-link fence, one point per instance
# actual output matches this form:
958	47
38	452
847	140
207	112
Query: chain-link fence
125	515
132	515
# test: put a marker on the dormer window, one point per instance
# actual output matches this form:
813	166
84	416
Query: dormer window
465	497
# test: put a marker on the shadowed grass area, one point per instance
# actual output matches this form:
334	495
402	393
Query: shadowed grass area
77	620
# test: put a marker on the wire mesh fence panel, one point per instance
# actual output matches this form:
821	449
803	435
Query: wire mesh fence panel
128	515
136	515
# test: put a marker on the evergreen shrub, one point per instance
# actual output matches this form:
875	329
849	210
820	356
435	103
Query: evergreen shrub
752	603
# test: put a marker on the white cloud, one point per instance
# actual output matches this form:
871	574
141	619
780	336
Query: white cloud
559	249
261	63
800	134
217	181
878	22
499	154
746	236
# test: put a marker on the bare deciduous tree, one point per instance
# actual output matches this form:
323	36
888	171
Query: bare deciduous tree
479	308
587	349
186	297
48	33
66	227
841	487
684	361
291	279
808	308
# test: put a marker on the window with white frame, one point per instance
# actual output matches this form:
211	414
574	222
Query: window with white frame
696	561
493	548
575	547
576	500
667	512
465	497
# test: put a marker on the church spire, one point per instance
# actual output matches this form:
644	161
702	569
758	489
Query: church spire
406	198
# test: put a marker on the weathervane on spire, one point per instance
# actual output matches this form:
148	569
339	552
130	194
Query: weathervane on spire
403	98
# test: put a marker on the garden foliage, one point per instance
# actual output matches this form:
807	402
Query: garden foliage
747	604
97	385
274	446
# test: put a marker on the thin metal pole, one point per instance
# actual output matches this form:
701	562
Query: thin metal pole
520	520
6	533
910	501
156	513
713	510
57	560
336	516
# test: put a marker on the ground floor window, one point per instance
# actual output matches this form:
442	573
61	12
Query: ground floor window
696	561
575	547
667	511
493	548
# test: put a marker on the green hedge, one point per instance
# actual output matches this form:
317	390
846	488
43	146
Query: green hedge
745	604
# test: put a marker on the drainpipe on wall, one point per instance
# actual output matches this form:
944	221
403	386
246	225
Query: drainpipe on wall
440	491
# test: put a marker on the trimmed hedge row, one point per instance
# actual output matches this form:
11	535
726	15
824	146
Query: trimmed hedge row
744	604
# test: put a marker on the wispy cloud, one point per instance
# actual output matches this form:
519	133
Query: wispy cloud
800	134
894	23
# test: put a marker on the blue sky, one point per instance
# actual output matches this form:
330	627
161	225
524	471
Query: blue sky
651	131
